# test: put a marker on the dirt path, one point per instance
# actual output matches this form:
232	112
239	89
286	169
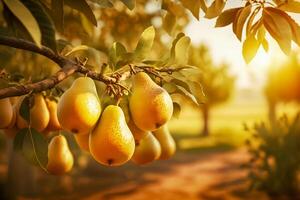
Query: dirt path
210	176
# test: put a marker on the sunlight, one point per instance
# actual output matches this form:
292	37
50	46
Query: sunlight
261	60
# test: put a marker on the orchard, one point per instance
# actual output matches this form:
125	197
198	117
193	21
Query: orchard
112	73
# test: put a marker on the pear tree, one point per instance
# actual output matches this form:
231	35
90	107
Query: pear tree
85	58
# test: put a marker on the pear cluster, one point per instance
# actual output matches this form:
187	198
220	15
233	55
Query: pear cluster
109	137
42	114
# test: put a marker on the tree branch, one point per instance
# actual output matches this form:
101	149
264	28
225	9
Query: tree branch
30	46
68	67
38	86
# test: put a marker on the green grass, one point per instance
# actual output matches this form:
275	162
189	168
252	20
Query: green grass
226	122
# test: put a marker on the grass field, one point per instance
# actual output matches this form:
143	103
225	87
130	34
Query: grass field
226	124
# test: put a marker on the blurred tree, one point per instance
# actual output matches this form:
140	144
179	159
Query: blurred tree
283	84
218	84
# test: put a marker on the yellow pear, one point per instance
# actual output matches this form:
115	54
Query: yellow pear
167	143
60	158
11	132
111	142
79	107
13	100
20	121
53	124
146	150
137	133
150	105
83	141
39	113
6	113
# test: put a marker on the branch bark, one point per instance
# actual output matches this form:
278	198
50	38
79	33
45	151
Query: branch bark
68	67
38	86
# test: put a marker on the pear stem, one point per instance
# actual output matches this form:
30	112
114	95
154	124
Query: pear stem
118	100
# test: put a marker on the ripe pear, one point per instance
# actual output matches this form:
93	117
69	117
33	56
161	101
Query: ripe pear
111	142
6	113
20	121
146	150
167	143
13	100
83	141
11	132
137	133
79	107
39	113
53	124
150	105
60	158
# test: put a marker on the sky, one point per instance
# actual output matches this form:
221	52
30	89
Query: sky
225	46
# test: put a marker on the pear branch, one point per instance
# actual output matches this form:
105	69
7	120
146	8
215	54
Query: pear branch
68	67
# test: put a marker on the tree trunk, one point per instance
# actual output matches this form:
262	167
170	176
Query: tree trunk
205	112
272	111
21	176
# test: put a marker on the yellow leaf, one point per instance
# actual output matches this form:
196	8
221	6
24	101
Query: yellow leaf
240	20
215	9
293	24
250	47
252	28
265	45
193	6
290	6
227	17
26	18
278	27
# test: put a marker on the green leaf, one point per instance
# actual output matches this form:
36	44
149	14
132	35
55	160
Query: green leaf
18	140
227	17
169	23
83	7
176	109
35	147
181	50
145	43
172	53
77	48
103	3
180	90
57	7
197	91
129	3
87	25
181	83
44	21
25	108
26	18
170	87
116	53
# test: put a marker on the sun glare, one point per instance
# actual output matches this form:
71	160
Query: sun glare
261	60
